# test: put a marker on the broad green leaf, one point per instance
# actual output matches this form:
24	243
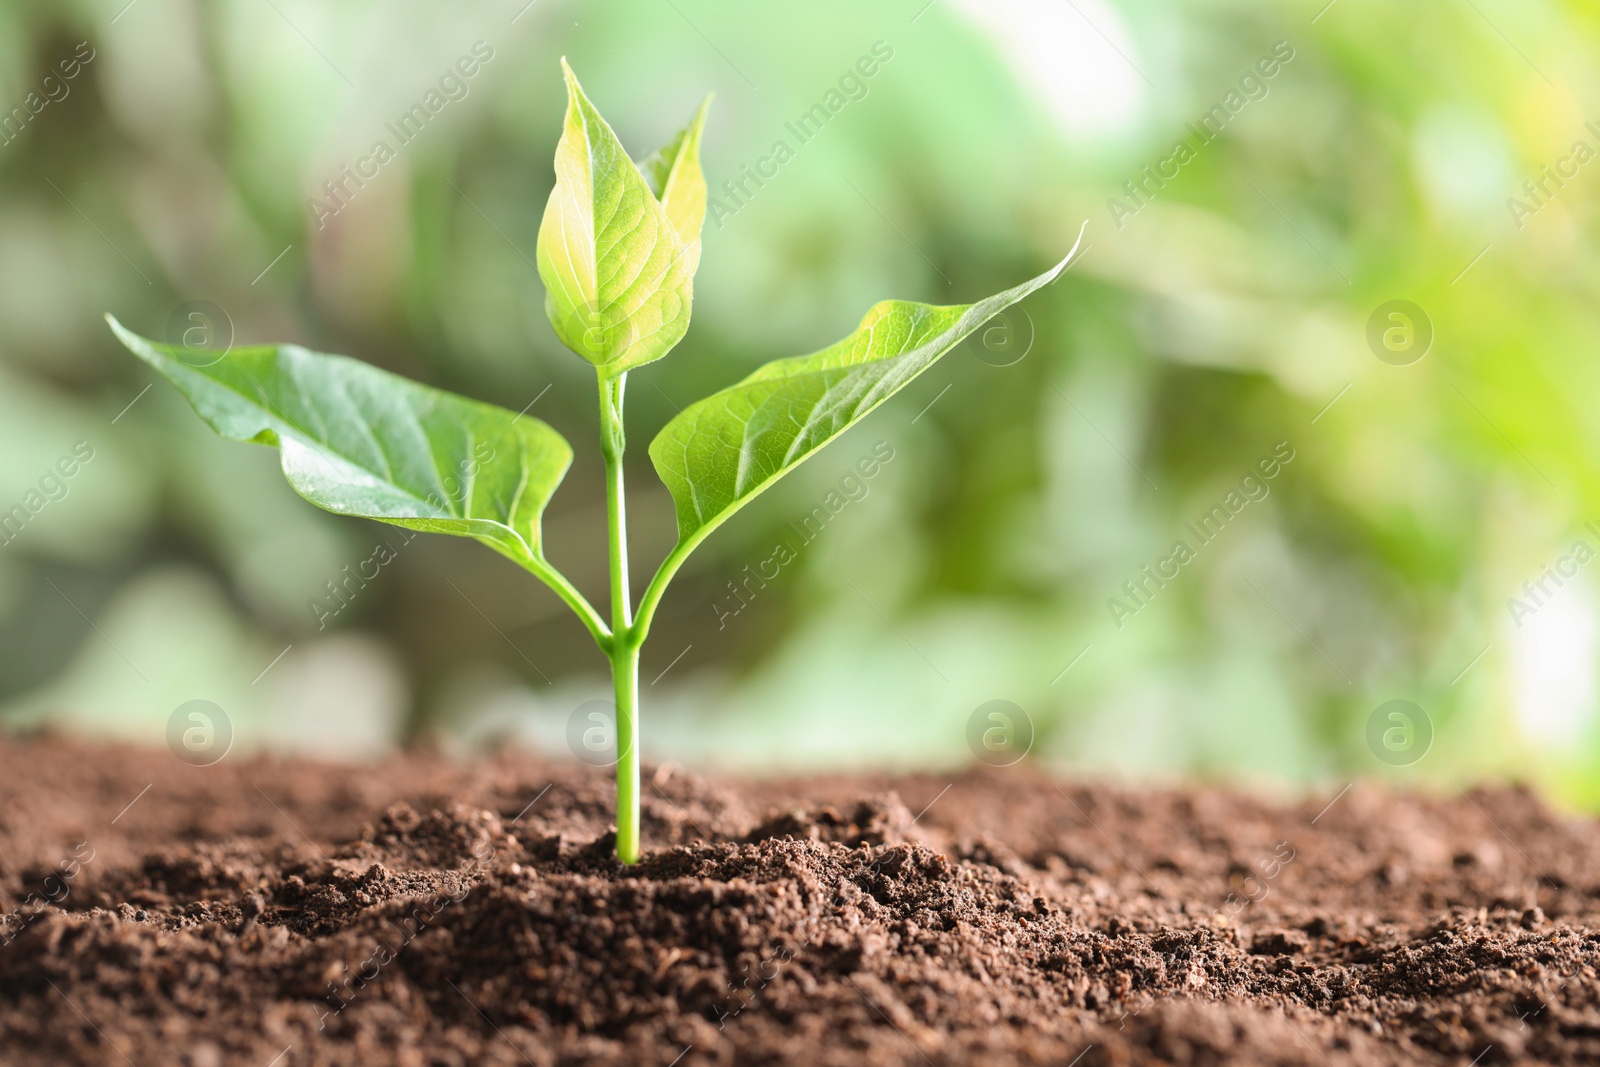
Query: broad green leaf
721	451
674	174
357	440
618	280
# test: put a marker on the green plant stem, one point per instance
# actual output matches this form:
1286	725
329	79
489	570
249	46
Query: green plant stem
573	599
625	676
625	641
658	585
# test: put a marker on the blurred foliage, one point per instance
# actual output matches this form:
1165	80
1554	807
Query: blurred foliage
1226	315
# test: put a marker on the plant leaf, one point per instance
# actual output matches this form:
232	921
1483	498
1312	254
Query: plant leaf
357	440
618	280
721	451
674	174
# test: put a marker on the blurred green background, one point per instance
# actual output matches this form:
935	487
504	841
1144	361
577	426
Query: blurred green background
1035	470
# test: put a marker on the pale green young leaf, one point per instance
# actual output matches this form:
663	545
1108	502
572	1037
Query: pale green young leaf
721	451
618	280
674	174
357	440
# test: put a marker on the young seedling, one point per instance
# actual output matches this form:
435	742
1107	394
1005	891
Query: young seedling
618	248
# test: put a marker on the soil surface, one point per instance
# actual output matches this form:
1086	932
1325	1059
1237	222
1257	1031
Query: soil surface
422	912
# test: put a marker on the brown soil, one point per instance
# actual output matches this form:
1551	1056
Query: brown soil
426	913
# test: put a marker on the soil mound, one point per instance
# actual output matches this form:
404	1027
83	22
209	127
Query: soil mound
422	912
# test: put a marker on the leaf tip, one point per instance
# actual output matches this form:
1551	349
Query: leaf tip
131	340
574	89
1055	271
697	125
